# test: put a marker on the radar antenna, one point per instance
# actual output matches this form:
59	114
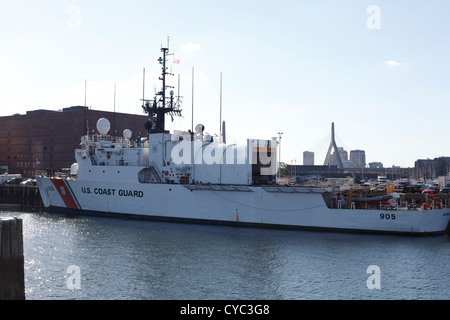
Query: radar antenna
161	104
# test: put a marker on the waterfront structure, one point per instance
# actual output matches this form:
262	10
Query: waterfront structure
46	140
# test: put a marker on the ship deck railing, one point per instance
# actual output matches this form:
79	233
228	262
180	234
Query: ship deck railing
245	188
124	143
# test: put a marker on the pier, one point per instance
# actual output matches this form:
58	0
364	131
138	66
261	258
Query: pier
23	198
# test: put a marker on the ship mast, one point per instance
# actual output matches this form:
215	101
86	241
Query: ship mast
157	108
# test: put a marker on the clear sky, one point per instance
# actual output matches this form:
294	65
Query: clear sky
378	69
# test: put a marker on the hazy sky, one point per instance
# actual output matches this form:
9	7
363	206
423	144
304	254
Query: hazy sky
378	69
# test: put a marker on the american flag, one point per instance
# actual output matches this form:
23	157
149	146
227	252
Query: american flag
176	61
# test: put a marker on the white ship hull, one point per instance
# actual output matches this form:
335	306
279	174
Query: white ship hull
293	208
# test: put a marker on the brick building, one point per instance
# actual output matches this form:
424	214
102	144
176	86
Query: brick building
431	169
46	140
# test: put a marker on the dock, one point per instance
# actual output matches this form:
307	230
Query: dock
22	198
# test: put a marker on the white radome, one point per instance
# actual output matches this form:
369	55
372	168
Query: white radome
103	126
127	133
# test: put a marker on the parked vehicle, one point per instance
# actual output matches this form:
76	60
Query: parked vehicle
402	186
446	188
431	189
14	181
29	182
414	188
6	177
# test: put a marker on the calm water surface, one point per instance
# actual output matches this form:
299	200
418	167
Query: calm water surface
123	259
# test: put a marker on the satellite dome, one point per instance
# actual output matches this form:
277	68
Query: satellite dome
127	133
199	128
103	126
74	169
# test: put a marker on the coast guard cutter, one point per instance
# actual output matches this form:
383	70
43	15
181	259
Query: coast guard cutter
188	176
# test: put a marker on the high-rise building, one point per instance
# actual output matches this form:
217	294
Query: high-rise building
308	158
342	154
375	165
358	157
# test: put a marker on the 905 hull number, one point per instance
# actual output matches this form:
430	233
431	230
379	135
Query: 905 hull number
387	216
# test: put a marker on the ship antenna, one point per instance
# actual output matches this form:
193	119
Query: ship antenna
220	121
160	106
114	108
192	112
143	87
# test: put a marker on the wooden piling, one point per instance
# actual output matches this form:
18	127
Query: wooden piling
12	274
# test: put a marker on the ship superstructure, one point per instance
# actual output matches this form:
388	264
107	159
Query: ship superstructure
181	157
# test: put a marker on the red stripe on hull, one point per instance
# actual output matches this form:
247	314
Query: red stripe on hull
65	194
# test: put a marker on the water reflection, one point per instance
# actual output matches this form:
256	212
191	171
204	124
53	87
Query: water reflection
122	259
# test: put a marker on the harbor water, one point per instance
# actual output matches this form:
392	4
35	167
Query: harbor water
72	258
